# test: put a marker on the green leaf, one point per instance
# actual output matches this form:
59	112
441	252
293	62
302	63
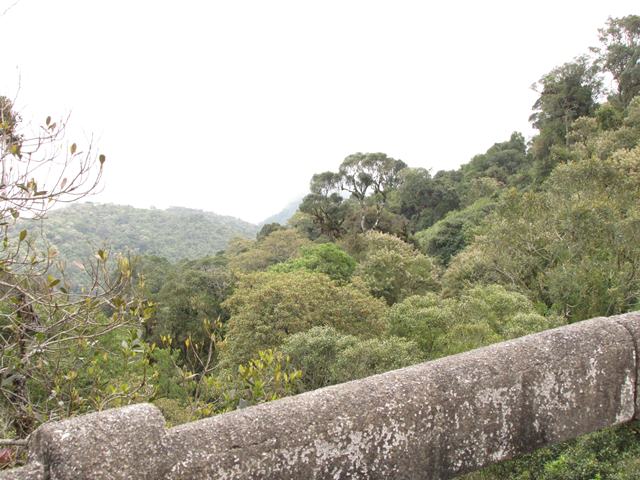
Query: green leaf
102	158
23	235
73	149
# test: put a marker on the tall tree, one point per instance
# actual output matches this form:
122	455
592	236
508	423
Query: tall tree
566	93
325	205
620	55
370	174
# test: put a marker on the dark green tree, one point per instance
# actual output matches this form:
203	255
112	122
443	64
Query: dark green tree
424	199
566	93
325	205
189	301
267	229
448	236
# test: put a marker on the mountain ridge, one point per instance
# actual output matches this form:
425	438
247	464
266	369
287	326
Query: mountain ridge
283	216
175	233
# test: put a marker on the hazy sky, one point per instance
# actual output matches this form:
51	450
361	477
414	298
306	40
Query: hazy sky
232	106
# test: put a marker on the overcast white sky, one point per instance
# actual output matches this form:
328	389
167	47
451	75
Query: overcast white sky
232	106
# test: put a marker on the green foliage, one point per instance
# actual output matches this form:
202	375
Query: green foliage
566	93
266	377
307	226
523	230
325	258
314	352
174	412
58	352
267	229
610	454
448	236
393	269
480	316
368	177
594	137
10	120
152	271
571	246
279	246
506	163
419	318
424	200
325	206
328	357
608	117
175	234
171	382
89	376
266	307
619	54
373	175
191	294
374	355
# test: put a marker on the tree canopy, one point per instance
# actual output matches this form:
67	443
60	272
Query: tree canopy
382	266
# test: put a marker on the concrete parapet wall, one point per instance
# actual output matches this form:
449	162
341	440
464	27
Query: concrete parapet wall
435	420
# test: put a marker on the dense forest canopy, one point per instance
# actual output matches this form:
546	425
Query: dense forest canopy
78	230
175	233
382	265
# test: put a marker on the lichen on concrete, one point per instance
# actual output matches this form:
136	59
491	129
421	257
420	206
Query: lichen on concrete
434	421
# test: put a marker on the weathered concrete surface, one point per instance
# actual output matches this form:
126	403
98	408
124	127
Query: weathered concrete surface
631	321
114	444
431	421
33	471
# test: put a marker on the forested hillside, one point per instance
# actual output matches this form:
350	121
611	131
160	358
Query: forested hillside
77	231
385	265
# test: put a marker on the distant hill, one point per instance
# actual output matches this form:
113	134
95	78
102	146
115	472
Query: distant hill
176	233
285	214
